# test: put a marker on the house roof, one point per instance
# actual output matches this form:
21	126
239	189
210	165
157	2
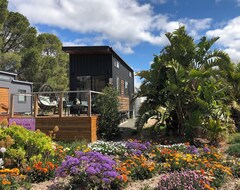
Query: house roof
7	73
14	80
22	82
94	50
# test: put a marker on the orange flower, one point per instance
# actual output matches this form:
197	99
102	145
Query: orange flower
6	182
207	186
28	168
125	178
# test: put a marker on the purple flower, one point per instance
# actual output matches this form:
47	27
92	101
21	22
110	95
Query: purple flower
91	171
95	169
106	180
206	149
192	150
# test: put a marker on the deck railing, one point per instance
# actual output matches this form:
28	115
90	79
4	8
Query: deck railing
73	102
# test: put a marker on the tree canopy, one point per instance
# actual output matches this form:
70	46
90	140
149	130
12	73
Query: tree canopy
37	58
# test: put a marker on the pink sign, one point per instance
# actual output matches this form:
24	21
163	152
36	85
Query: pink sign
28	123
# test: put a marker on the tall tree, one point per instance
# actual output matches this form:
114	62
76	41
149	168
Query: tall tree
54	67
3	15
17	33
184	80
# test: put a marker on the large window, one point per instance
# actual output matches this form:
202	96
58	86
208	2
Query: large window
22	98
84	82
96	83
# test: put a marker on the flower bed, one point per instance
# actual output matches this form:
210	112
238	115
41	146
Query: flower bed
109	165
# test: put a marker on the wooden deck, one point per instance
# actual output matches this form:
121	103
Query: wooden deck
70	128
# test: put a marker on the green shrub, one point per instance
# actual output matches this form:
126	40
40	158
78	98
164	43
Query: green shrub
234	150
24	145
109	119
234	138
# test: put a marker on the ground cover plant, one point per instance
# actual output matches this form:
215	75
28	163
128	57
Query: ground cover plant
109	165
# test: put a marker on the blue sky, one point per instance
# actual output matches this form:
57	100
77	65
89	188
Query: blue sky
134	28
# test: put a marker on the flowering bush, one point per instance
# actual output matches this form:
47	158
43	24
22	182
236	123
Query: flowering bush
41	172
110	148
135	147
91	170
10	178
24	145
138	167
183	180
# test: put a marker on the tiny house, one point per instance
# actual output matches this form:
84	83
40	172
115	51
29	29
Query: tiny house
10	85
94	67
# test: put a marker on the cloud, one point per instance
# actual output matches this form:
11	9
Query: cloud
124	24
238	2
137	82
159	1
229	38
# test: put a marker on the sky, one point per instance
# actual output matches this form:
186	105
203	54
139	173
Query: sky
135	29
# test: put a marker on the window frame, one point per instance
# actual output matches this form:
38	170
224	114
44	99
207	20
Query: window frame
21	98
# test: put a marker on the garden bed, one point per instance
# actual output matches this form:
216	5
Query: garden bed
31	160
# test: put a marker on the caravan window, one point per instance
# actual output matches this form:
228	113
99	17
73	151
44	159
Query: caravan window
22	98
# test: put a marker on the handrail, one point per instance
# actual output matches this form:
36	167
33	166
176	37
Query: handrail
36	94
58	92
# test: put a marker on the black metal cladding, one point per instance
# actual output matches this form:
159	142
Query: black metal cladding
89	65
96	61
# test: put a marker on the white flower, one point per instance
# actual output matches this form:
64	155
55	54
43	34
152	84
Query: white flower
1	162
3	149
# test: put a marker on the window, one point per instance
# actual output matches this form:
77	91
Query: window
118	85
84	82
130	74
116	63
5	78
96	83
126	88
22	98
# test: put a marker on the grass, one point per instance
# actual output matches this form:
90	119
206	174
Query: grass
234	147
234	138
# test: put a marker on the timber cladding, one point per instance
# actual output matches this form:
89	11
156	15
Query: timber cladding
4	100
70	128
124	103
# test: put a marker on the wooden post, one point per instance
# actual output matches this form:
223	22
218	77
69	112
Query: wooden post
12	105
89	104
60	105
35	105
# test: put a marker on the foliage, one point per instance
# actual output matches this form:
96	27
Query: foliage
187	81
41	172
35	58
183	180
138	167
91	170
109	118
24	145
10	178
234	138
234	150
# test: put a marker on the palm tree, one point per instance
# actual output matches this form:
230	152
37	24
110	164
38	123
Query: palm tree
184	79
